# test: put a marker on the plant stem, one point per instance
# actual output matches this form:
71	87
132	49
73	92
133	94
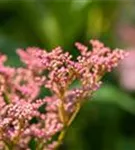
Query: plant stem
63	132
6	99
78	106
60	138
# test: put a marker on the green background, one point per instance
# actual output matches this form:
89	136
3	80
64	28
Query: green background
107	121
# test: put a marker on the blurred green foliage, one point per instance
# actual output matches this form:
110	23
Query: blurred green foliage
107	121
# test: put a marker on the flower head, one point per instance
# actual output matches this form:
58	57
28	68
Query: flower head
25	115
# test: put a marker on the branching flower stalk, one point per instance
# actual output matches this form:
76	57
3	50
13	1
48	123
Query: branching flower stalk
25	116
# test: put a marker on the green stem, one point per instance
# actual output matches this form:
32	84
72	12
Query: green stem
63	132
74	114
40	145
8	146
60	138
6	99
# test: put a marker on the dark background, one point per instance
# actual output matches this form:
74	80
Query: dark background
107	121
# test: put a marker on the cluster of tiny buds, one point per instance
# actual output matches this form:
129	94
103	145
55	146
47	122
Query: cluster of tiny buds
25	115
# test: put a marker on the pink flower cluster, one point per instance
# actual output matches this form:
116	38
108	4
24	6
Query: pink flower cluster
24	115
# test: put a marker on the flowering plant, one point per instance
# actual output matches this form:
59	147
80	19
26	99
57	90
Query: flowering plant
24	115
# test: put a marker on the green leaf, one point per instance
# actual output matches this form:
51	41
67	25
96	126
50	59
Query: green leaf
111	94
